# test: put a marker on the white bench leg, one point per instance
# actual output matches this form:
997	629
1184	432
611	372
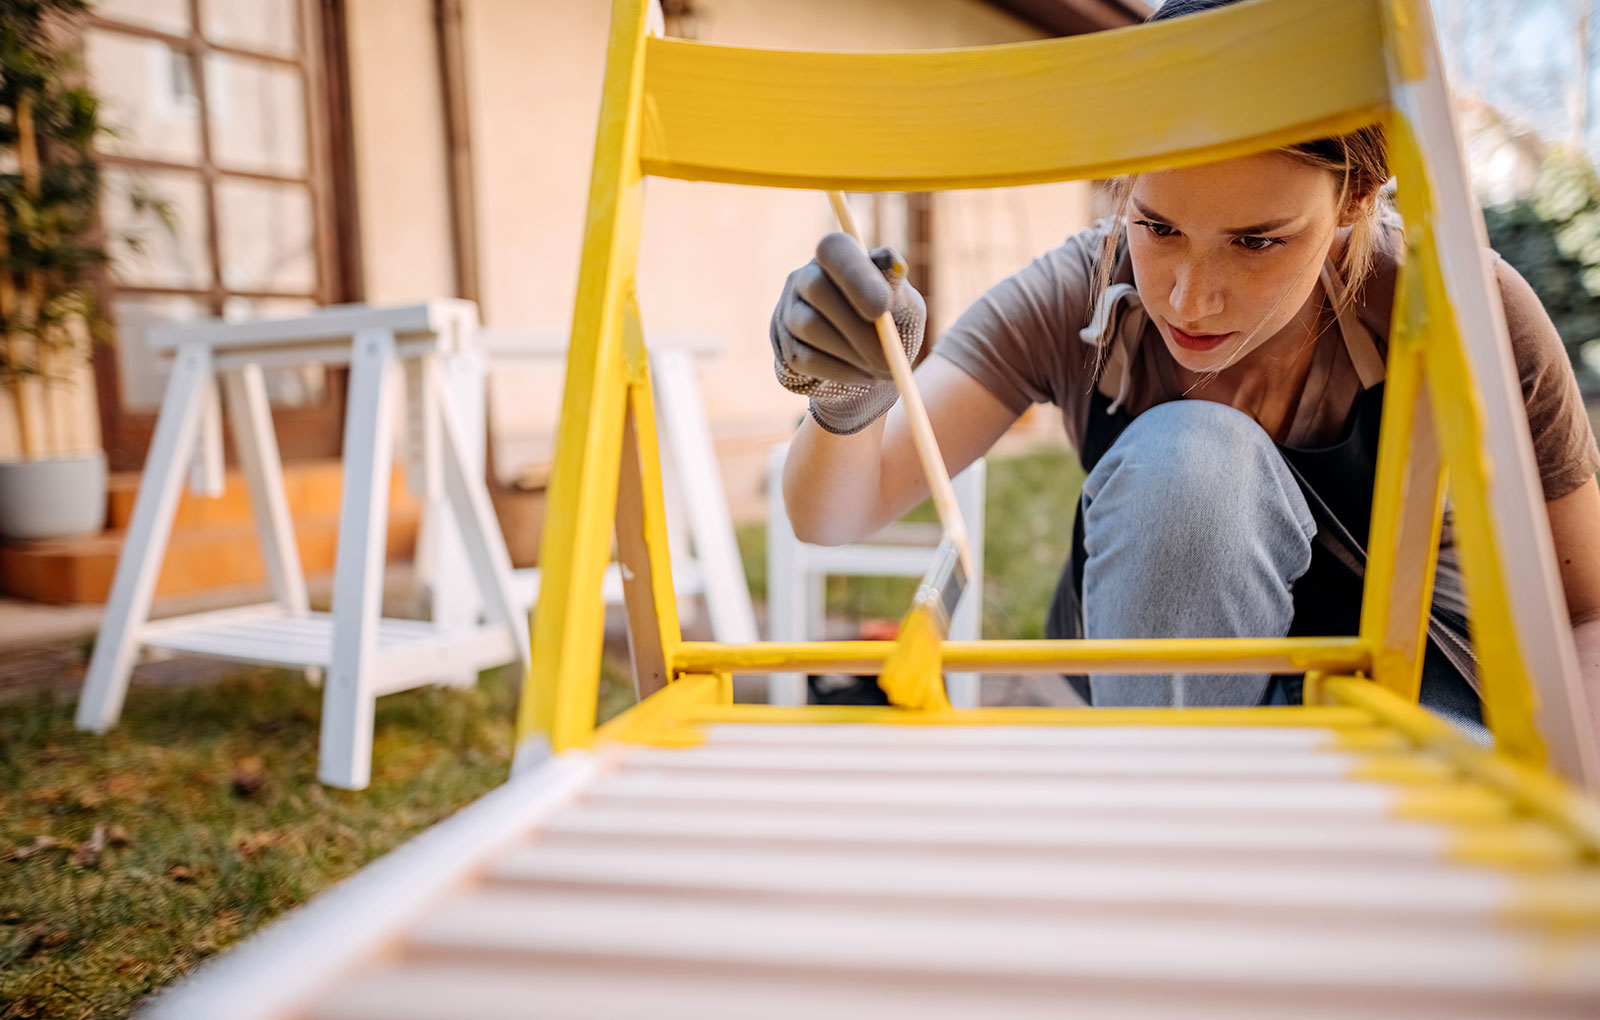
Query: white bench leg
786	597
145	545
964	689
250	415
348	695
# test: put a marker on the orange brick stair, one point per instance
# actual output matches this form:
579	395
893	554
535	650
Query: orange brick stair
213	543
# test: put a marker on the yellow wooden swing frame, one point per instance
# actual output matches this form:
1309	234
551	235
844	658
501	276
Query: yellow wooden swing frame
1267	73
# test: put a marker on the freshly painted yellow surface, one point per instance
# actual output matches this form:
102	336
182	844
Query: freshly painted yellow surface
1332	718
1397	663
1458	419
562	691
660	720
1060	109
1264	655
1536	791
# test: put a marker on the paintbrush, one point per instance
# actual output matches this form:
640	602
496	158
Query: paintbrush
911	676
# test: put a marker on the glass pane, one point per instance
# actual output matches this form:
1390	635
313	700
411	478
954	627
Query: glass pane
143	375
148	91
300	386
164	15
265	26
156	228
258	116
266	236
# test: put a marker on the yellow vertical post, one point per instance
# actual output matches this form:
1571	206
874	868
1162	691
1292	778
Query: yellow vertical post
1508	699
558	704
1408	501
642	546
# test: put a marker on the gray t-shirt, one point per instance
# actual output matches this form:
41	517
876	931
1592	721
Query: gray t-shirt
1021	342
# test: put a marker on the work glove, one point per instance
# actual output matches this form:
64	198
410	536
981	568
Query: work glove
824	341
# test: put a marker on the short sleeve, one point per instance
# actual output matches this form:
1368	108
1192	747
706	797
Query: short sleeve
1563	438
1020	339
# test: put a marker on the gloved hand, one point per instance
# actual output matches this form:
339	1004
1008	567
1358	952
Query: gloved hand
824	340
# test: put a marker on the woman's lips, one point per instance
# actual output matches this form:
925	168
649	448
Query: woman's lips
1191	342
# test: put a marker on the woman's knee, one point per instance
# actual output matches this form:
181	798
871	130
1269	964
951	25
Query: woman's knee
1193	480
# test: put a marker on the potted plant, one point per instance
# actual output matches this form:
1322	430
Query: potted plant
53	476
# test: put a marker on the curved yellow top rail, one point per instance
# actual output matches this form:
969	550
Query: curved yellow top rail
1222	84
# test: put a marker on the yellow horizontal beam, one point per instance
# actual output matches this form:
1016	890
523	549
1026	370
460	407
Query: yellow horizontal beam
1240	80
1330	718
1540	793
1160	655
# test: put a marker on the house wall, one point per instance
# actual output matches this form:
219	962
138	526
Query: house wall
713	257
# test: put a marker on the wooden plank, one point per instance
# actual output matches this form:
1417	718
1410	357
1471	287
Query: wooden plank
604	990
869	939
965	118
1017	737
1184	797
345	756
1145	655
440	316
1008	838
644	564
1283	765
1082	886
105	685
250	415
558	704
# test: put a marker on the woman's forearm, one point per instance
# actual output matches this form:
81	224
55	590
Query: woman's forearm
831	483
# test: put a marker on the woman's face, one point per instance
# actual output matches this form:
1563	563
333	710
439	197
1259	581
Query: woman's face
1226	255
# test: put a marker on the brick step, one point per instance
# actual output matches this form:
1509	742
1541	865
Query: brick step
198	559
313	488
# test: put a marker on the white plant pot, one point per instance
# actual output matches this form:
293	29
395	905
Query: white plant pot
53	498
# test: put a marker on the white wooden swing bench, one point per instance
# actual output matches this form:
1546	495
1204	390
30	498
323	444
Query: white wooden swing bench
1352	857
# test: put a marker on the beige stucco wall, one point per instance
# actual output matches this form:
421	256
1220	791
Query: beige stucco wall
713	257
400	161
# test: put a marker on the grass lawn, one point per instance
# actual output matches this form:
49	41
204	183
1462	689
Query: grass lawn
128	858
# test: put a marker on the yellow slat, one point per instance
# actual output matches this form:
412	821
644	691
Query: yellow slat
1083	107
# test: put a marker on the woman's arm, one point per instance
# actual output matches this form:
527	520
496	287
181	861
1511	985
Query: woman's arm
840	489
1575	526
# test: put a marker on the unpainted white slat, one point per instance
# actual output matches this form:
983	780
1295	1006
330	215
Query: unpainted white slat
1286	764
871	735
1446	894
927	831
955	793
450	990
1386	956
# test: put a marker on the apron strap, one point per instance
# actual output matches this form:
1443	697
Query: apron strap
1358	340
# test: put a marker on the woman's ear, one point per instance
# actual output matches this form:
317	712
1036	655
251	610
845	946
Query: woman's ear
1358	208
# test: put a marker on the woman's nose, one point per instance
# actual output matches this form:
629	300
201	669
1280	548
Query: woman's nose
1195	295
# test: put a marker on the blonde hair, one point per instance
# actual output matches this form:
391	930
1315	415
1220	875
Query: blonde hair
1360	160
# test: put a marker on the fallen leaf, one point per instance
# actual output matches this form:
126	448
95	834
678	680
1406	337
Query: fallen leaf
39	843
117	835
90	799
56	938
179	873
248	776
251	843
88	851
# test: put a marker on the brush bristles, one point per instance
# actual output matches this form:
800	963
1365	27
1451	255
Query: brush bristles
913	675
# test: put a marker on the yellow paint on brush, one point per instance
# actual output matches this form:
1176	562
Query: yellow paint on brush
912	676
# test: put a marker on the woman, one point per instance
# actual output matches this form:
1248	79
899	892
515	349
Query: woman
1216	347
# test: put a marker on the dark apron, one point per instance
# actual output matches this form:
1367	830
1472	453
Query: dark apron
1337	482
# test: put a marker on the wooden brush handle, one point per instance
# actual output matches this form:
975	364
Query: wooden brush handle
944	493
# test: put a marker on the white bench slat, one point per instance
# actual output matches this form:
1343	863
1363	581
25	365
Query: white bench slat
871	938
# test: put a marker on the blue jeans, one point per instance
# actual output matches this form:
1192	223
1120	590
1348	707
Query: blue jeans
1193	527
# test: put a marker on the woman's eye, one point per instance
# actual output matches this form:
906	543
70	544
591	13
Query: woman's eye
1158	229
1259	243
